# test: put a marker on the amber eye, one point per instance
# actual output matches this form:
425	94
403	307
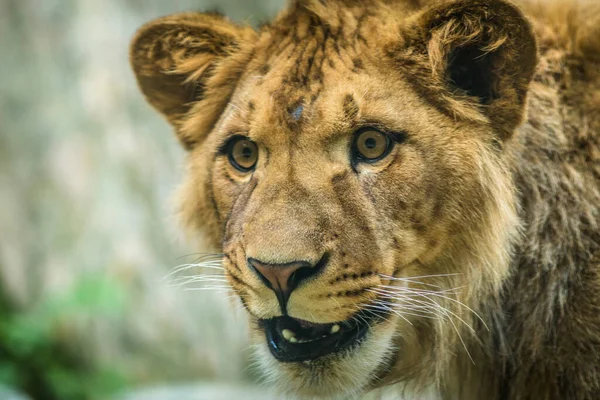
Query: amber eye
371	145
242	154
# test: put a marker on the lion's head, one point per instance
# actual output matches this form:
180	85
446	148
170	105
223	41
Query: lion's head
350	161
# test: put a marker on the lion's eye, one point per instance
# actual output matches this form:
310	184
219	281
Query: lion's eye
371	145
242	154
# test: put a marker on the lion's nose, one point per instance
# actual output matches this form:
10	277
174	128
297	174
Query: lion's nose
284	278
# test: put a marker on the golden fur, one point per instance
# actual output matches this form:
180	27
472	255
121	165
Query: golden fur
494	195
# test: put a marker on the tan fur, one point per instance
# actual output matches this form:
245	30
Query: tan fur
496	191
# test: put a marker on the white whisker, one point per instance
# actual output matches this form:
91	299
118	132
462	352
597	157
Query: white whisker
409	280
421	302
395	290
200	256
420	277
426	296
397	313
447	313
441	295
185	267
214	288
184	284
382	307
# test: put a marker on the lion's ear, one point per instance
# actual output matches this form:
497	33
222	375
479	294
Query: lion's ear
184	59
478	53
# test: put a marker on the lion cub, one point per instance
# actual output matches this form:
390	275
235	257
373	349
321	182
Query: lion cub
402	192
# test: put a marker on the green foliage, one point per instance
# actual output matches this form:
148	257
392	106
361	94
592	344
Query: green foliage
37	350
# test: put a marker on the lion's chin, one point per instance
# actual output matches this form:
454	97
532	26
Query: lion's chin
345	373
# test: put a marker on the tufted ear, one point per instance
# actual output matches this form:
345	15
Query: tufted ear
186	59
473	59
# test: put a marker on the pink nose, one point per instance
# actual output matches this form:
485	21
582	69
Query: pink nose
283	278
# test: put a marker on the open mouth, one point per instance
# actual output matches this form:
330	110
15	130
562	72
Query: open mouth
294	340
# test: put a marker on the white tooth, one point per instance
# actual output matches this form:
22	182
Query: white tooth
287	334
335	328
293	339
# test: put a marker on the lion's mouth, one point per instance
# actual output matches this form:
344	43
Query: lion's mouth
294	340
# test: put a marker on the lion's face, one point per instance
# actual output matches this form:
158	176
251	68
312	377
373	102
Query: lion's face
361	222
314	231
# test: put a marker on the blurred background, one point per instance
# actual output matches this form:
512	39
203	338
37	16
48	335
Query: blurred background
87	170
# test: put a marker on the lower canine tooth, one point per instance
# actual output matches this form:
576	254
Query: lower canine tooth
288	335
335	328
293	339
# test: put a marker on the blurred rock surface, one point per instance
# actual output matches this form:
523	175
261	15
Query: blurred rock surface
87	170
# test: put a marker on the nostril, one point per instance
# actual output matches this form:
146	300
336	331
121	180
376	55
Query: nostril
256	267
306	272
300	275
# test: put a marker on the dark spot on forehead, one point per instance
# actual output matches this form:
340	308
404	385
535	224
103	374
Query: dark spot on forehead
293	113
297	113
264	69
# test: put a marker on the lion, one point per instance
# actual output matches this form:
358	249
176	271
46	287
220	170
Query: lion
406	194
